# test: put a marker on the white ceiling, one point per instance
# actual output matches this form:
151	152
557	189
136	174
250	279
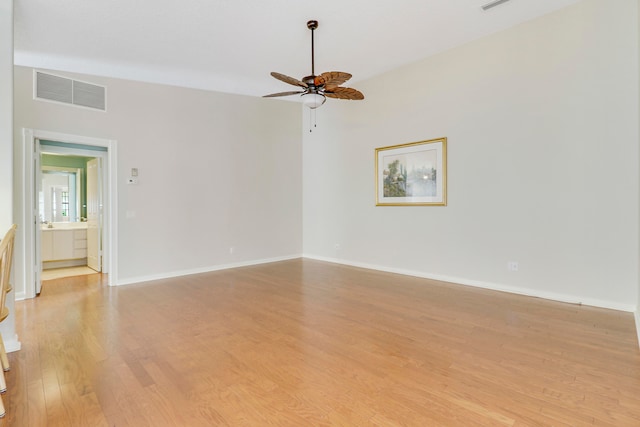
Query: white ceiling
233	45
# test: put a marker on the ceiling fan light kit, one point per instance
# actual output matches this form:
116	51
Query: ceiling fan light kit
313	100
316	89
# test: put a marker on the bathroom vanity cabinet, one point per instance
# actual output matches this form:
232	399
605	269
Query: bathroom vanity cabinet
60	244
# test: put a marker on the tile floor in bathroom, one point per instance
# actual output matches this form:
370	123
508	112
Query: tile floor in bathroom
57	273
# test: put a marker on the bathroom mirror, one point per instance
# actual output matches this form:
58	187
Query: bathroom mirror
60	197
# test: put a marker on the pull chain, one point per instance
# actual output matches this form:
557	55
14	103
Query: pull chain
312	119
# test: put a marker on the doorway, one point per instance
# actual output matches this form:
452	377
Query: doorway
66	208
70	206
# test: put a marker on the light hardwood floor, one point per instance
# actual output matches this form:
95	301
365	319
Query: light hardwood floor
306	343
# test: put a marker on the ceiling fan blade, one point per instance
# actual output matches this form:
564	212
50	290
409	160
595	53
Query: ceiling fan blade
332	78
273	95
343	93
288	79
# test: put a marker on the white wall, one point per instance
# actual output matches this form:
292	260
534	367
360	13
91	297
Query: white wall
638	303
542	125
215	171
6	114
7	327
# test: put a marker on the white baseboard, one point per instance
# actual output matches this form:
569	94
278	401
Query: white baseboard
12	344
571	299
638	324
169	275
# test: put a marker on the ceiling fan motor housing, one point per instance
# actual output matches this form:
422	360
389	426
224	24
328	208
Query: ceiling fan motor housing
310	80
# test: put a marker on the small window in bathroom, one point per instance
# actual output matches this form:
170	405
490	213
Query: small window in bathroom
64	198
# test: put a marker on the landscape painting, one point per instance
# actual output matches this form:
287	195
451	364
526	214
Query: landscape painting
412	174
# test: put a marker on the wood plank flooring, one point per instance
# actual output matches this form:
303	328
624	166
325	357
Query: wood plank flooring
307	343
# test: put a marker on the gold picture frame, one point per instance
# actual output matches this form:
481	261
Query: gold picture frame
413	174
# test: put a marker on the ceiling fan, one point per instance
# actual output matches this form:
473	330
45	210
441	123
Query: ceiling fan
316	89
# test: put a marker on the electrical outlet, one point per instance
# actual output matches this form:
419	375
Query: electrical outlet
337	246
512	266
231	250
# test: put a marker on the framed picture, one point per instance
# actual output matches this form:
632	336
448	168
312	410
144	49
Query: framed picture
413	174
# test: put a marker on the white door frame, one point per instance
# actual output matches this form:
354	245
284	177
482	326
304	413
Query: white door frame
30	218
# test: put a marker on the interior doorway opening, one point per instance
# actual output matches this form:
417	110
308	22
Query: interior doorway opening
65	212
71	209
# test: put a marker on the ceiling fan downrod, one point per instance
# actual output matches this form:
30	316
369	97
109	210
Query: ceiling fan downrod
312	25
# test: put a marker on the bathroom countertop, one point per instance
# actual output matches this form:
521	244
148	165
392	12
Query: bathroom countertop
65	226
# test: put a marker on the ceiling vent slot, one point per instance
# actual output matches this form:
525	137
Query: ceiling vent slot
49	87
493	4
